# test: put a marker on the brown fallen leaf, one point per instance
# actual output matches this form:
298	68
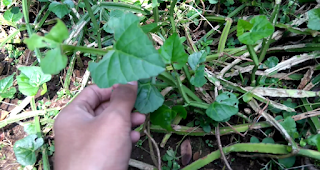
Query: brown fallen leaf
3	114
196	155
306	78
186	152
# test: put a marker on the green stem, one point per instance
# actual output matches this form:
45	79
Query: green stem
46	165
314	121
191	94
176	121
199	105
40	12
179	85
266	42
156	14
171	12
224	35
25	115
250	147
191	131
253	55
25	10
94	21
122	6
253	76
83	49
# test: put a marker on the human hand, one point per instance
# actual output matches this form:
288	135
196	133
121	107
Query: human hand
94	130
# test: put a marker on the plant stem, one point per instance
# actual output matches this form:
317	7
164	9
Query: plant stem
224	36
94	21
250	147
266	42
179	85
171	12
46	165
122	6
313	121
25	10
156	14
83	49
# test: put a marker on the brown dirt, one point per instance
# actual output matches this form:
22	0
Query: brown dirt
7	158
198	144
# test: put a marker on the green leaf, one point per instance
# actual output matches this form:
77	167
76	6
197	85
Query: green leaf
254	139
180	110
54	61
213	1
314	19
261	28
13	14
133	57
247	97
290	126
288	162
25	149
36	41
30	80
268	140
148	98
163	117
58	32
243	26
197	58
59	9
173	51
271	62
6	91
225	106
30	128
69	3
113	22
314	140
6	2
198	79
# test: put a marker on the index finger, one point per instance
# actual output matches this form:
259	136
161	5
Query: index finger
122	100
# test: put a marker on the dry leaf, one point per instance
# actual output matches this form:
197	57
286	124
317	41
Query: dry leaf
3	114
186	152
306	78
196	156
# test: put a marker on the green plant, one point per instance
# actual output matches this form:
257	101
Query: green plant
184	77
171	159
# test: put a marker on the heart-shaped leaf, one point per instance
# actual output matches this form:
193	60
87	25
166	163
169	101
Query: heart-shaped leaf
148	99
30	80
271	62
163	117
261	28
198	79
13	14
6	91
25	149
197	58
173	51
314	19
225	106
60	9
133	57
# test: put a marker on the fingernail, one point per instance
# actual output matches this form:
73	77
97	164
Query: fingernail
134	83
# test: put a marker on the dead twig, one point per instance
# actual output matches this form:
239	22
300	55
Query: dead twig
203	11
220	148
157	148
235	130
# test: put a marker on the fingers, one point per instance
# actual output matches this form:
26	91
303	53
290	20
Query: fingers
135	136
137	119
122	100
91	97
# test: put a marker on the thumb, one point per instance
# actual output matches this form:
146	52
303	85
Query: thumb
122	100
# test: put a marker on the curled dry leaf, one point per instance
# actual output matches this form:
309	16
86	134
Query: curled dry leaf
186	152
3	114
